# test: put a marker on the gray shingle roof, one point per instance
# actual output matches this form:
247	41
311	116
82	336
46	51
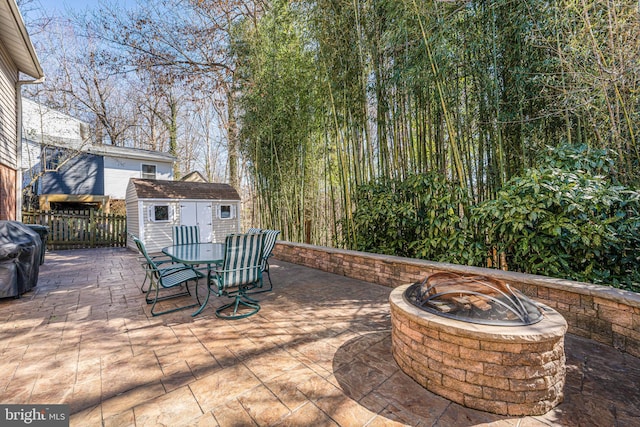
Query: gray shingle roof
160	189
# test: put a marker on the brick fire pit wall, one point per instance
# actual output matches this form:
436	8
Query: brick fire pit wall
507	370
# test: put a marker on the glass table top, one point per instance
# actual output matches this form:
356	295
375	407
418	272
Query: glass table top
196	253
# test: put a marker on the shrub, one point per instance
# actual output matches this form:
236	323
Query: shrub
423	216
564	220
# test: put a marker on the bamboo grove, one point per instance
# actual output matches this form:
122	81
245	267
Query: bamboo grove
337	94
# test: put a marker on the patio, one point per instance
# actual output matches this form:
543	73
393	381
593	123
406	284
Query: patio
318	353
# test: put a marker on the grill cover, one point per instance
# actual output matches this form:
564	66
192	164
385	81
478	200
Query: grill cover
475	299
20	249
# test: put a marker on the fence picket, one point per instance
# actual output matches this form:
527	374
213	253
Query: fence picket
80	229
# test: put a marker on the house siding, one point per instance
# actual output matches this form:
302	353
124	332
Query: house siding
8	136
30	164
7	193
39	120
118	171
8	113
42	125
81	175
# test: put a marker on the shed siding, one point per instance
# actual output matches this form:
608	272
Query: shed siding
133	215
158	235
8	112
118	171
222	227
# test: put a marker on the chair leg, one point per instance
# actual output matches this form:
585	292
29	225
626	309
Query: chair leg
147	273
143	282
157	298
206	300
239	300
270	288
269	277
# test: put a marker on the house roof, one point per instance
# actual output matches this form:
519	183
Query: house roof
160	189
102	150
194	176
128	153
14	36
53	128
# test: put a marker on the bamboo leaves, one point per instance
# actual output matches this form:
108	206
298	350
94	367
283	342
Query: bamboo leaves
464	94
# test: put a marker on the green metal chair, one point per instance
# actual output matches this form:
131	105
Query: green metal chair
270	237
175	275
158	259
240	272
185	234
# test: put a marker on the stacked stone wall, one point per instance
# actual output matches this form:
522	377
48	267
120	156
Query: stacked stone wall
607	315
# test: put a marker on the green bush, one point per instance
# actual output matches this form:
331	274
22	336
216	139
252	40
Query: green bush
565	220
422	216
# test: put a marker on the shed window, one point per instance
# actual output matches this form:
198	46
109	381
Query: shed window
148	171
226	211
160	213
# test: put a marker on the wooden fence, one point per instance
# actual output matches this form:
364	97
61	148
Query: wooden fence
80	229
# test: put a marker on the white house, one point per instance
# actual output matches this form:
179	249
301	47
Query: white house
18	60
61	164
155	206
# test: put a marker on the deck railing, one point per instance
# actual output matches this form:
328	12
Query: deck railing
80	228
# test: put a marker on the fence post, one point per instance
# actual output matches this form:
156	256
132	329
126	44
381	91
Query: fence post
92	229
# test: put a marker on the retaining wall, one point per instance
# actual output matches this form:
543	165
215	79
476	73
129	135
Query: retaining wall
607	315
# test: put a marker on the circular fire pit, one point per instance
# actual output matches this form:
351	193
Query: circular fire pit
503	368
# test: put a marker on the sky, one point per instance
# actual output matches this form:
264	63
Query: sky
65	7
61	6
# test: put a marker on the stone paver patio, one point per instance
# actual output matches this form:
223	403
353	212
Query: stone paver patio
317	354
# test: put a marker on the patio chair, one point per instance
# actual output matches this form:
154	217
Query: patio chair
158	259
253	230
270	237
185	234
174	275
240	271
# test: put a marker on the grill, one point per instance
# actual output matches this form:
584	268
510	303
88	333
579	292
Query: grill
474	299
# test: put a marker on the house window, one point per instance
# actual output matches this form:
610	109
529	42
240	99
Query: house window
148	171
53	158
159	213
226	211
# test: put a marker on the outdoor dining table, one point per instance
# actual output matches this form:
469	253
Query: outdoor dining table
197	254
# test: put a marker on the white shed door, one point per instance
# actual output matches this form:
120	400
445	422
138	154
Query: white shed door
200	214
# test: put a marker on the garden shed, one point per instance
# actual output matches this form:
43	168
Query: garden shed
155	206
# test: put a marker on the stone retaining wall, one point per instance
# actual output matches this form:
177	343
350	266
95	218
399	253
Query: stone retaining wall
607	315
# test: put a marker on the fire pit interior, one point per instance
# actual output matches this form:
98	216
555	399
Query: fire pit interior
475	299
479	342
